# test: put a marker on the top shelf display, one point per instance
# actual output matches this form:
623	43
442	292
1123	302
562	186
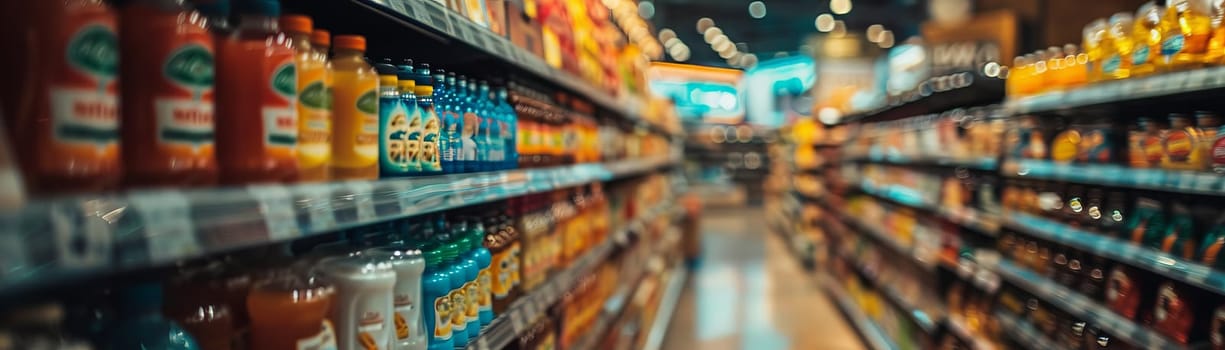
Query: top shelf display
1169	85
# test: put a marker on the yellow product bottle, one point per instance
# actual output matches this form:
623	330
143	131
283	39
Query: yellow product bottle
355	125
1074	62
1146	39
1040	76
1091	38
1054	69
1016	76
1208	124
1185	30
1117	47
1216	43
314	111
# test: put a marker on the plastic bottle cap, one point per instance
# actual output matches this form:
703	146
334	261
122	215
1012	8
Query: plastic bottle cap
321	38
351	42
297	24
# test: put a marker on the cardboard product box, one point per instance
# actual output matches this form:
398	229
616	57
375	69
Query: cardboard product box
523	30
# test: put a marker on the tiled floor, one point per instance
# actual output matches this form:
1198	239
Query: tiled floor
750	293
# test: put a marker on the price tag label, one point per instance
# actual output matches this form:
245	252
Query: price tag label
438	17
363	199
416	10
1215	78
463	28
168	230
517	324
395	5
482	343
1196	79
316	200
276	205
83	237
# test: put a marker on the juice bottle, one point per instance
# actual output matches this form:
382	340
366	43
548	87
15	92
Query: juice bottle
1207	123
1185	30
314	99
471	287
407	77
1146	36
285	293
451	140
355	111
463	102
257	121
409	265
1013	85
502	241
493	134
142	326
509	129
1093	35
1117	47
393	123
1182	145
432	150
199	306
1216	42
363	314
458	294
61	100
1074	62
167	70
435	289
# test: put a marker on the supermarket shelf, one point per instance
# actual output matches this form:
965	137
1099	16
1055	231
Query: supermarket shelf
926	322
935	95
1121	251
1025	333
1198	81
969	218
69	238
1083	307
1190	182
887	241
984	163
957	326
451	27
867	329
667	306
506	327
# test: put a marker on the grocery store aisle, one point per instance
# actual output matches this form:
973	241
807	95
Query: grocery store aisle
751	293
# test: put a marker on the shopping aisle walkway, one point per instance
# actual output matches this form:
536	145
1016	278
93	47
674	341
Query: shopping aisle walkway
751	293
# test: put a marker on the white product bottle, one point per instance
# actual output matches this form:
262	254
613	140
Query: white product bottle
362	312
408	264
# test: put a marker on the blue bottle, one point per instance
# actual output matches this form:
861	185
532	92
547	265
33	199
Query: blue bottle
510	130
436	289
459	296
484	278
430	156
463	100
493	132
471	286
408	95
452	126
394	156
142	325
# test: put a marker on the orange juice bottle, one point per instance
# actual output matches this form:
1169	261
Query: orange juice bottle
1146	37
61	97
290	312
167	71
257	119
1185	30
355	112
1074	63
1091	42
1015	78
314	101
1216	42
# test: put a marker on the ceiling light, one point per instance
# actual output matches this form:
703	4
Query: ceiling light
840	7
646	9
666	34
825	22
712	33
757	9
874	32
705	23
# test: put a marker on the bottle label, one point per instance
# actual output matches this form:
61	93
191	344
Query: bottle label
413	138
279	113
471	123
452	123
473	308
184	106
501	279
85	112
371	333
1172	45
325	340
442	317
459	310
1153	150
1140	55
484	297
1111	64
1178	146
365	142
315	111
431	127
405	313
395	156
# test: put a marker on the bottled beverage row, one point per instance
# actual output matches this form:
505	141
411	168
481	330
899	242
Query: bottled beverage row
1179	141
1161	36
432	282
165	93
955	135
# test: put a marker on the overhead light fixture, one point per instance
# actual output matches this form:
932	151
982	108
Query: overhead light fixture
840	7
874	32
757	9
712	33
646	9
705	23
825	22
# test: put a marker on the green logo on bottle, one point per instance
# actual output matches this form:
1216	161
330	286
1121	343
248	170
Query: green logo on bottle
368	103
285	80
316	96
191	66
95	50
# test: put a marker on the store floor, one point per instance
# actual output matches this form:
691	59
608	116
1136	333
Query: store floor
750	293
